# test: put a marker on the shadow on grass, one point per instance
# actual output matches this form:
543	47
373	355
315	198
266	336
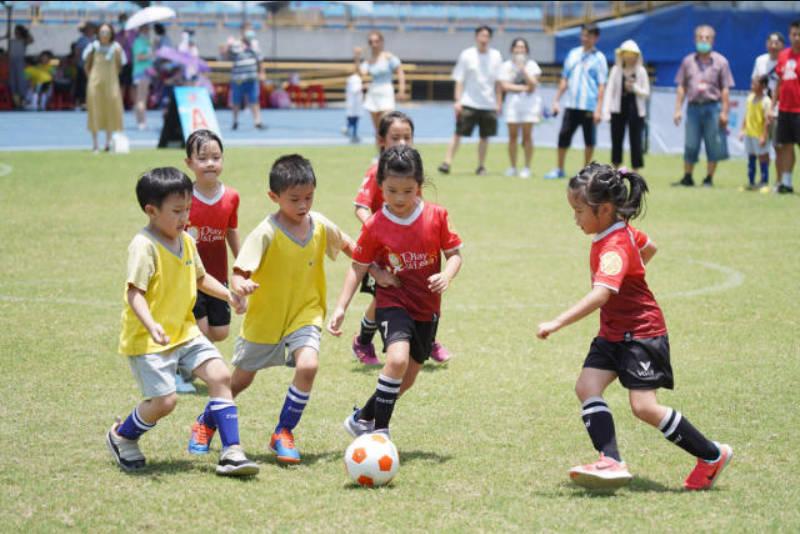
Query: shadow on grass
639	484
200	386
307	458
423	456
349	486
429	367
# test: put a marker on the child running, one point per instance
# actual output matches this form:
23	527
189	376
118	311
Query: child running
159	333
394	129
407	237
632	344
281	267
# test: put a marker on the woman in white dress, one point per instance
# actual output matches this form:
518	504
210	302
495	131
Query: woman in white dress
381	67
519	77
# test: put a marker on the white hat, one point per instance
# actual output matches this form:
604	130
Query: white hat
629	46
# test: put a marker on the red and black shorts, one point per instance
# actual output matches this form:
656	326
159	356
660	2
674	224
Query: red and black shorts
639	363
395	324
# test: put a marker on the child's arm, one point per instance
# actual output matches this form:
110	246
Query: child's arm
351	281
648	251
234	241
211	286
241	283
439	282
598	296
348	245
138	304
362	214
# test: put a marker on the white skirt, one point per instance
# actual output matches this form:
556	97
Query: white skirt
379	98
522	108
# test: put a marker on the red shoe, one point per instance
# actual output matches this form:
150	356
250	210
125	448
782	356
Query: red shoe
705	473
605	473
365	353
439	353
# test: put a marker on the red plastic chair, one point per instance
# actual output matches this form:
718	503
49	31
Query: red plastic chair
6	102
316	94
298	96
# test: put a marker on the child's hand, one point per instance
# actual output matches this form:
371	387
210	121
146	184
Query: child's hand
438	283
547	328
244	287
385	278
239	303
158	334
335	323
762	141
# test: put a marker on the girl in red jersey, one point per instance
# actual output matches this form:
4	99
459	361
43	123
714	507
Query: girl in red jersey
632	344
395	128
407	238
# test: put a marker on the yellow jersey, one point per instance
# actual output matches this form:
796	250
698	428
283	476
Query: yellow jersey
755	115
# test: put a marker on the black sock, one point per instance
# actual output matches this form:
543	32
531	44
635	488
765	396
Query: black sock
600	425
682	433
367	413
385	397
368	329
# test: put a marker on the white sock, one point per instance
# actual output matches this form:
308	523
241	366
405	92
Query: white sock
786	179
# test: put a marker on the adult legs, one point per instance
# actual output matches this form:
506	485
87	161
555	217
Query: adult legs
527	142
617	138
513	129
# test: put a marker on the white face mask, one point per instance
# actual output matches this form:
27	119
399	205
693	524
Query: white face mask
519	59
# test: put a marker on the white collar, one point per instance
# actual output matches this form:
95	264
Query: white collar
613	228
408	221
210	201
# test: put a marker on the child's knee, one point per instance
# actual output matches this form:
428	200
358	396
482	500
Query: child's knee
165	404
646	410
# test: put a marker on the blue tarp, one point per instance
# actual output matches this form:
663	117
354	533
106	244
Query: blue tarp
667	35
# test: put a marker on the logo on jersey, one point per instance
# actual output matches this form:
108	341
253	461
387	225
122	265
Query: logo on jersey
790	71
409	261
610	263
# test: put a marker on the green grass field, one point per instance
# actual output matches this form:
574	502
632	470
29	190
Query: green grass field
485	441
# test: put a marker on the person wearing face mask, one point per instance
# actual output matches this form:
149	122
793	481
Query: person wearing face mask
245	76
704	79
103	59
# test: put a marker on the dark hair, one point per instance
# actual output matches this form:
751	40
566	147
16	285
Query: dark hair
763	81
795	24
389	118
159	28
777	35
198	139
591	28
400	160
110	27
290	171
157	184
598	183
482	27
520	40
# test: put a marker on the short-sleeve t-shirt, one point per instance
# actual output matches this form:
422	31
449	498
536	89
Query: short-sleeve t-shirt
209	222
369	194
509	72
479	73
291	277
616	263
585	72
787	70
411	249
382	70
169	283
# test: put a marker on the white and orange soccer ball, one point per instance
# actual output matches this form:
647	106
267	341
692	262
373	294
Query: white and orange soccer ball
372	460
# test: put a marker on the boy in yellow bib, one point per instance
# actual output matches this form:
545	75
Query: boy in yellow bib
159	334
281	267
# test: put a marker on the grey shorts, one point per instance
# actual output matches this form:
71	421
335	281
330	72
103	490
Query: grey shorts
249	356
155	373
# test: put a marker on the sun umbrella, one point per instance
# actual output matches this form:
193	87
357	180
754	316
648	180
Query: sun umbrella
149	15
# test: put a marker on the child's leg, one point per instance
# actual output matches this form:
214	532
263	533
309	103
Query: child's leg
355	127
595	412
380	405
411	375
675	427
221	411
241	380
306	365
751	169
368	325
145	416
763	161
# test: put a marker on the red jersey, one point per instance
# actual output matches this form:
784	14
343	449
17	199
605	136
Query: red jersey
411	249
787	71
209	222
369	194
615	263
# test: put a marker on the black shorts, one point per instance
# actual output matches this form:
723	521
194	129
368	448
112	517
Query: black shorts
639	363
486	119
368	284
218	311
788	130
573	119
395	324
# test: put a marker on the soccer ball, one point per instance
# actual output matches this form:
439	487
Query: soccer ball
372	460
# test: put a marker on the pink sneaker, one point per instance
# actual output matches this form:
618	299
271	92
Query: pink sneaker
605	473
364	353
439	353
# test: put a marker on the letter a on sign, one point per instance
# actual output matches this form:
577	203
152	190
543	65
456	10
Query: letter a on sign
198	120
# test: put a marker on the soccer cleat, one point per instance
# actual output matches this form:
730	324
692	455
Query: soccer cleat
365	353
555	174
444	168
282	444
200	441
233	463
356	427
686	181
439	353
605	473
705	474
525	173
511	171
125	451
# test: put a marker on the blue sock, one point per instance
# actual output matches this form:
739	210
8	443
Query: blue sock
751	169
134	426
224	416
293	406
764	172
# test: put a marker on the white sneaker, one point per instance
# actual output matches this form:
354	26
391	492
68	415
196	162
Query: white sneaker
233	463
511	171
605	473
525	173
125	451
356	427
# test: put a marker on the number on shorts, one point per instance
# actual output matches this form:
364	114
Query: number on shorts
385	326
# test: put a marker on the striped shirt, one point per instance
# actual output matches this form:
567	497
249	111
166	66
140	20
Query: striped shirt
584	72
245	65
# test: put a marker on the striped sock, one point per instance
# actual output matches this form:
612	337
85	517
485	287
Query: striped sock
368	329
293	406
682	433
223	415
385	396
600	424
134	426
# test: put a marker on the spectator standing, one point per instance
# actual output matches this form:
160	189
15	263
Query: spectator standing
104	59
245	77
88	32
583	79
478	97
754	133
765	66
787	133
161	39
625	103
142	63
704	79
16	63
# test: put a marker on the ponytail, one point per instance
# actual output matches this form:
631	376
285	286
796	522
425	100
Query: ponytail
634	204
598	183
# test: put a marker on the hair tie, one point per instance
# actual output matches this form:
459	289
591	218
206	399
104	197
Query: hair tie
623	171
